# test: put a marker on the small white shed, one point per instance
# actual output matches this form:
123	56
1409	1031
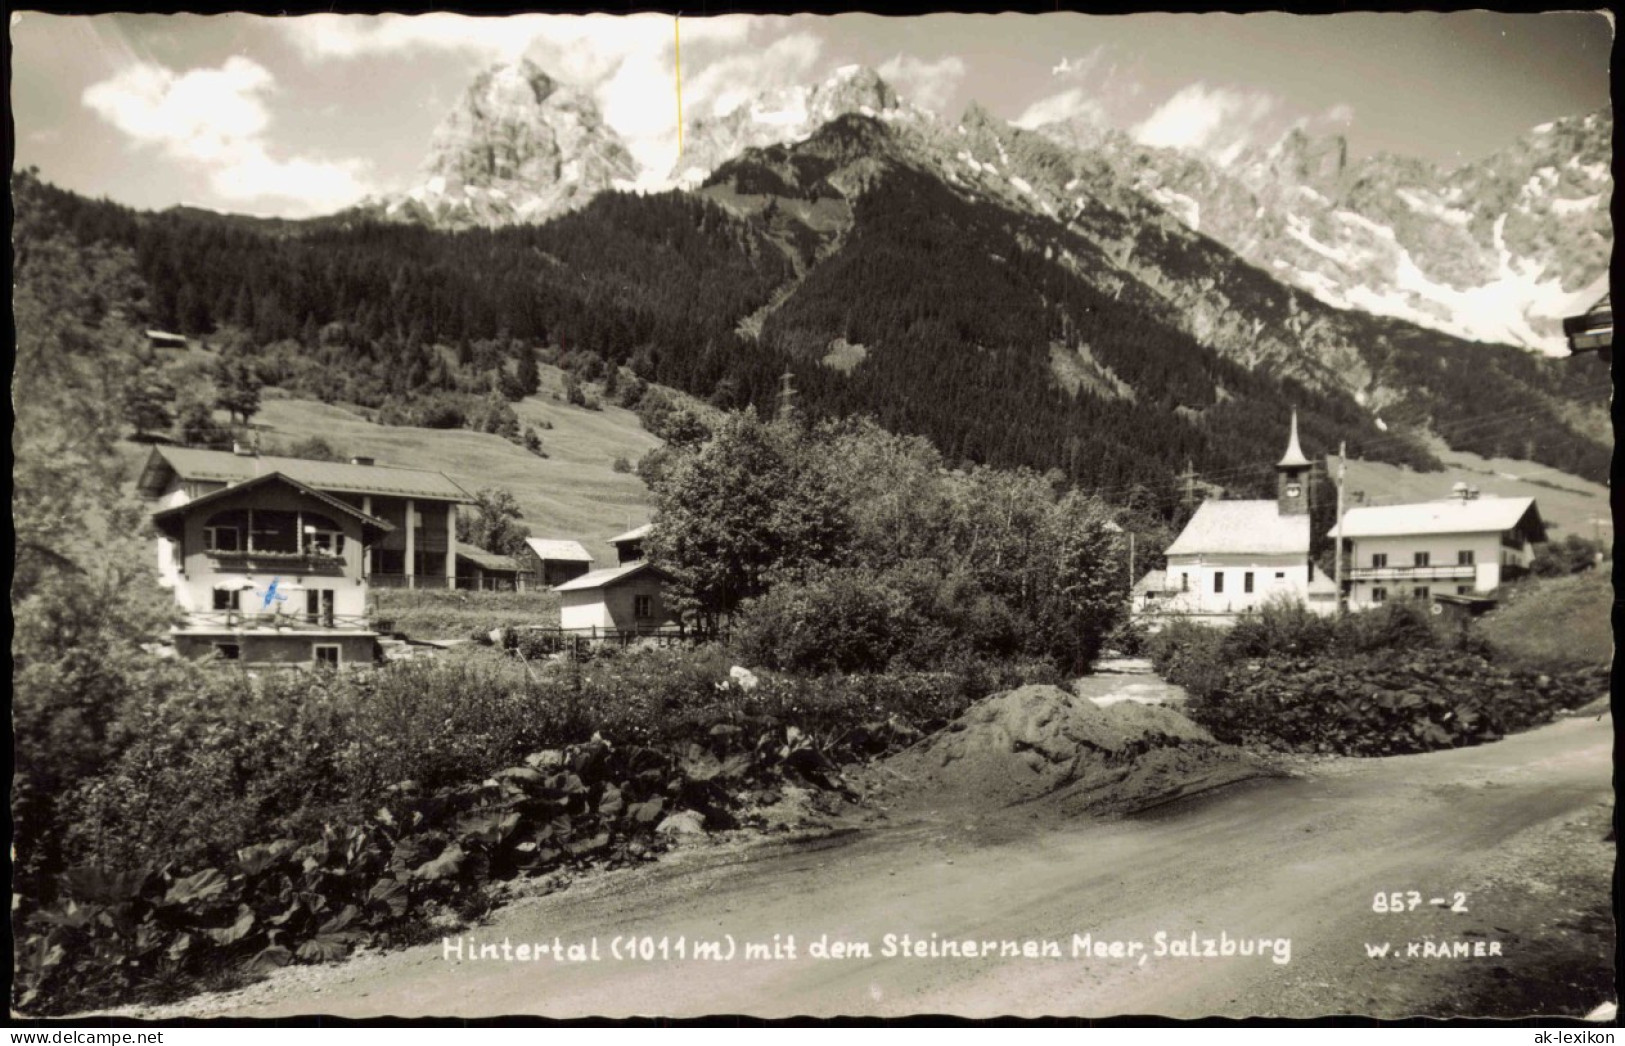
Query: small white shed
627	598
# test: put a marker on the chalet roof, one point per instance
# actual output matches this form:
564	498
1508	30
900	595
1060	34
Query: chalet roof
635	534
175	512
1242	527
487	560
1485	514
606	578
559	549
334	477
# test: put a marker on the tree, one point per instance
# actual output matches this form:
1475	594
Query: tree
533	442
1570	556
510	386
195	425
314	448
84	591
754	505
494	523
237	387
148	396
529	376
572	390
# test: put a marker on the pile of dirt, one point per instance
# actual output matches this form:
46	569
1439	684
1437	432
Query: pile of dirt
1041	742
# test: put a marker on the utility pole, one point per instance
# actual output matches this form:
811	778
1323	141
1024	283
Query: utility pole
1189	476
1337	558
1131	559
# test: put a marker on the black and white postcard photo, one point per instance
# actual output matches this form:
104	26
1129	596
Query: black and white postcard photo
670	516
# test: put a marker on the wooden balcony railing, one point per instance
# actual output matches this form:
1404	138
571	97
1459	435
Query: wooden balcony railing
249	621
1434	572
249	560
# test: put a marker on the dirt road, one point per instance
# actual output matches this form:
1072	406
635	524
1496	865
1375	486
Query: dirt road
1511	832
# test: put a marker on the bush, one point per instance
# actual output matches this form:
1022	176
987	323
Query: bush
1281	627
1381	704
1572	555
1190	655
1400	625
842	620
1129	639
621	464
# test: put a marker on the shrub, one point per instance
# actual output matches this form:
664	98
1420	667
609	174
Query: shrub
1280	627
1190	655
1400	625
841	620
621	464
1381	704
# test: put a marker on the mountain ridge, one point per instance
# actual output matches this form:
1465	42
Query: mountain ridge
1496	250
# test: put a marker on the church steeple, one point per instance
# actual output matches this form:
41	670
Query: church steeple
1292	477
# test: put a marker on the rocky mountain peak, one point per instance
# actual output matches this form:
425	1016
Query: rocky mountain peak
518	146
1301	159
783	115
854	87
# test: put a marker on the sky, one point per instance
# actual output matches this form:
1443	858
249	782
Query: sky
301	116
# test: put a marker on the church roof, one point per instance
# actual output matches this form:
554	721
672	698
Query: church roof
1294	453
1242	527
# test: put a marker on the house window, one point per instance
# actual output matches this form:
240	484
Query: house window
1379	560
273	531
1280	575
1419	592
1247	581
326	655
1464	590
1464	558
1424	559
1218	581
222	539
643	607
319	606
228	599
1379	595
323	535
229	651
1184	582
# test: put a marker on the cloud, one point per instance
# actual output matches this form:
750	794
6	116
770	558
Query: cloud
1074	103
729	82
215	119
1068	69
639	99
626	62
1219	121
1342	113
928	85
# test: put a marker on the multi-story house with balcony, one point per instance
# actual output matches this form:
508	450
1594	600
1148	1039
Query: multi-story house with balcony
270	559
1464	545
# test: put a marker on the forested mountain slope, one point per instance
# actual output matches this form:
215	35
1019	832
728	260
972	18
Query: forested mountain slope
1003	334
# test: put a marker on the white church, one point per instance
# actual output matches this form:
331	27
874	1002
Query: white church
1235	556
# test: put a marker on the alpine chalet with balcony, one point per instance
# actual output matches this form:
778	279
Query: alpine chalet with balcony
271	558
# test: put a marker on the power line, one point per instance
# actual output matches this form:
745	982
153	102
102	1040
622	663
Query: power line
1478	427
